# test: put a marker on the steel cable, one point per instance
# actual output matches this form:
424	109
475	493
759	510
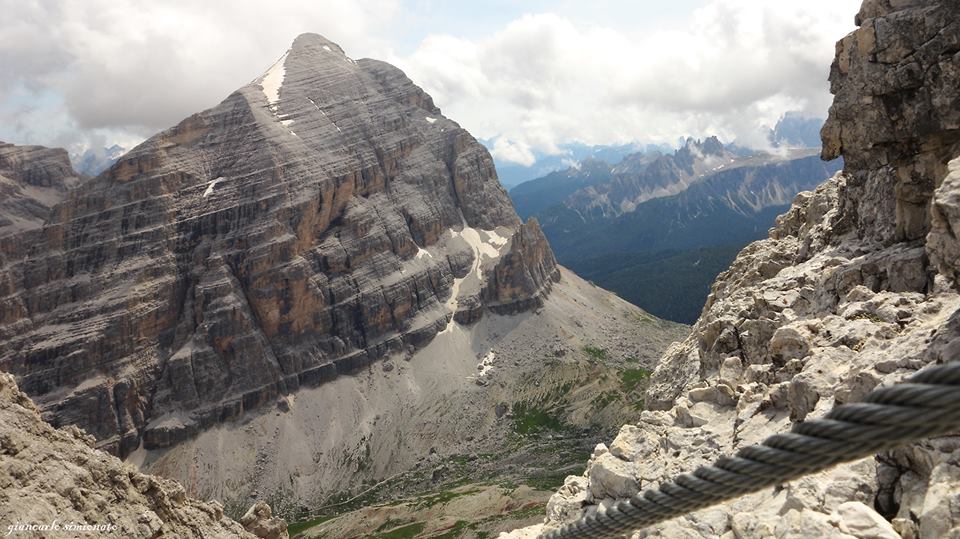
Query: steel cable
926	404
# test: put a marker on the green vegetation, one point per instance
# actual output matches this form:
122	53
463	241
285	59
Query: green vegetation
389	524
528	419
604	399
550	481
298	527
595	353
533	510
631	378
549	435
673	284
454	532
404	532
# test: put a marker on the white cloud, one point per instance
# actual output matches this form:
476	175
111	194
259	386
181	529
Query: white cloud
545	79
514	151
75	71
139	66
566	162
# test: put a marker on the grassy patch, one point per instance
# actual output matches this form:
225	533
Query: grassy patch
404	532
389	525
454	532
533	510
595	353
631	378
604	399
548	481
298	527
528	419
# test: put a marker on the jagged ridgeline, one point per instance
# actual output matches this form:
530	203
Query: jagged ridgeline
855	288
314	292
657	228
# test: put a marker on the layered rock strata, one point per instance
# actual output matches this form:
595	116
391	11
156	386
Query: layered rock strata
33	179
317	219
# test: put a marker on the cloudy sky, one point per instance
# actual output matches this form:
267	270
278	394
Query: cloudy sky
528	75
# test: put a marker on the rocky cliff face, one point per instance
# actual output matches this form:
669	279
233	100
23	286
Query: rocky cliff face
895	117
854	288
524	274
319	218
55	478
33	179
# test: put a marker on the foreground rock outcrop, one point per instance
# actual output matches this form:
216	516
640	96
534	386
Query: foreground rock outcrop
855	287
53	483
322	217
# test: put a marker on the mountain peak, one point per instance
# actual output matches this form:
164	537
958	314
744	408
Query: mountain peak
708	146
325	180
310	53
712	146
310	41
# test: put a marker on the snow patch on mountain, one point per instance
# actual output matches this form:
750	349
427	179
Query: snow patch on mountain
272	80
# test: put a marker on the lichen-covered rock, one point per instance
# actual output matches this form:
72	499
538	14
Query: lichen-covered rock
54	477
318	219
854	288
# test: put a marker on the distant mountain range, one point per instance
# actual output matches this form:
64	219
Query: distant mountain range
657	227
793	130
94	161
512	174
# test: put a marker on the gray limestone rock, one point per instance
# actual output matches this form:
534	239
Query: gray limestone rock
854	288
33	180
49	475
319	218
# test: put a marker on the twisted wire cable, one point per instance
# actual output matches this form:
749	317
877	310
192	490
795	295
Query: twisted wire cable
926	404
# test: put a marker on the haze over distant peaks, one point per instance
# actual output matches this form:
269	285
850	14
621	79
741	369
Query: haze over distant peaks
93	161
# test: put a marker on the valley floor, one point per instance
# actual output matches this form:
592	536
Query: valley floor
507	402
